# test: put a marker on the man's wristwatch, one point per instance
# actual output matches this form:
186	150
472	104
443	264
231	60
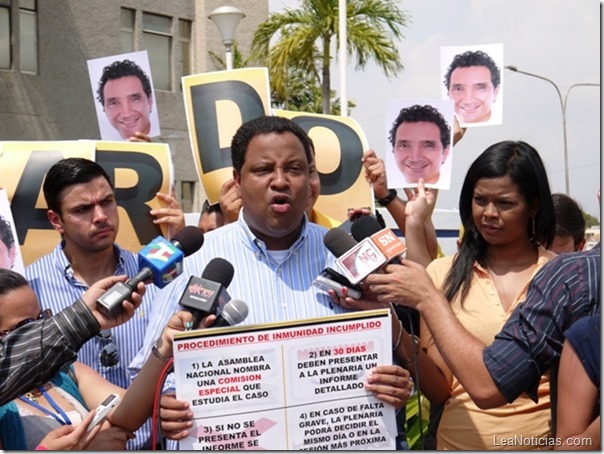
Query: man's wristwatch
389	198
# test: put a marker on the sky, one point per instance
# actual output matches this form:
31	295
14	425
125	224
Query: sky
557	39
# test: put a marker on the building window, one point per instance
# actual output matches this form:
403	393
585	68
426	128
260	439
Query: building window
184	36
28	36
187	195
5	51
157	39
127	30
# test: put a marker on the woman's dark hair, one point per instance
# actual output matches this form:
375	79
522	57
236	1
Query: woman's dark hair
10	280
524	166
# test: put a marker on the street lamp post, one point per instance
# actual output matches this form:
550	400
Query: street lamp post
226	19
563	104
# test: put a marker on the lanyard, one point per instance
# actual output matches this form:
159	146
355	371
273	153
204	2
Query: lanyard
60	416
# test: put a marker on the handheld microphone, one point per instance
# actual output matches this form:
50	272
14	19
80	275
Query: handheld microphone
354	260
338	242
386	241
233	313
161	260
204	294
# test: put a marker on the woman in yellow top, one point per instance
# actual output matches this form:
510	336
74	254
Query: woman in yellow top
508	216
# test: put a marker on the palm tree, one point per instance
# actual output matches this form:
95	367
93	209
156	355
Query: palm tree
305	37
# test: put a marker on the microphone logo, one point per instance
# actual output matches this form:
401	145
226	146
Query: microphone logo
388	243
161	251
196	289
360	261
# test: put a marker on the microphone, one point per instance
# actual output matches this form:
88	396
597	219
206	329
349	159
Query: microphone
386	241
202	295
233	313
161	260
338	242
377	247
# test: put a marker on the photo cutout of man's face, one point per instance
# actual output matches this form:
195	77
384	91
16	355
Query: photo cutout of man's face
419	151
124	99
473	94
419	142
473	81
127	106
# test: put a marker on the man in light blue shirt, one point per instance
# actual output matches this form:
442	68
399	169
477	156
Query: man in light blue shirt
275	251
83	209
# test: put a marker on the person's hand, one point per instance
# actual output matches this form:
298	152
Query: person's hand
367	302
390	384
139	137
407	284
180	321
375	173
458	131
172	214
355	213
110	438
420	204
129	307
175	417
230	201
69	437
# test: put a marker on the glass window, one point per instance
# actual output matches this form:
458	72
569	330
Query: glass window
184	34
28	36
157	39
5	51
187	195
127	30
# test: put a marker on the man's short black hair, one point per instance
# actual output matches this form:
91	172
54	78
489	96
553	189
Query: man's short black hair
119	69
209	208
417	113
266	124
68	172
474	58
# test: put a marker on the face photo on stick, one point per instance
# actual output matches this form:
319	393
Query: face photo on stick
472	80
124	98
419	143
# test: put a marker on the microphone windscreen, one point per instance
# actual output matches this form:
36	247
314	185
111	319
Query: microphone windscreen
189	240
235	312
338	241
219	270
364	227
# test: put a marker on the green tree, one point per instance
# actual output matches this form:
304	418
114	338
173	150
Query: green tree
304	38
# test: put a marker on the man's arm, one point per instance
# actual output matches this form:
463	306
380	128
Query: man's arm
462	352
32	354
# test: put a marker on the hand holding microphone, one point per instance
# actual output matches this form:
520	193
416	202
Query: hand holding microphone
161	260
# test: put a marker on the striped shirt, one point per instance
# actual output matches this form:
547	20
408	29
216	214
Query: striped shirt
52	279
274	289
566	289
34	353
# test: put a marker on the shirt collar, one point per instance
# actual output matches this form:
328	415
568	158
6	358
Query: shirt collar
260	246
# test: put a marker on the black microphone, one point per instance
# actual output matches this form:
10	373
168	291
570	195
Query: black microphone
233	313
368	227
338	242
161	260
202	295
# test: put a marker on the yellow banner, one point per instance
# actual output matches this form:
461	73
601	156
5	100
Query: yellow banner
138	171
218	103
